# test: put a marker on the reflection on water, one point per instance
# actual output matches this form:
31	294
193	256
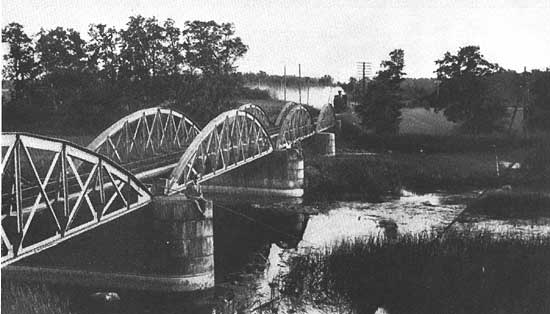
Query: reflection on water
255	237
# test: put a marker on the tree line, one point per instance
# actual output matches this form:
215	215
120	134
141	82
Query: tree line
86	83
468	89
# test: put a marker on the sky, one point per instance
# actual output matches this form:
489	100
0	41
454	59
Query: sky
330	37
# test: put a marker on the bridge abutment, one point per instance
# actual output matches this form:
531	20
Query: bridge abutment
280	173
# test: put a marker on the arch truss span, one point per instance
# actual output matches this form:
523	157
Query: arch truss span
286	109
296	126
47	199
147	139
230	140
257	112
326	118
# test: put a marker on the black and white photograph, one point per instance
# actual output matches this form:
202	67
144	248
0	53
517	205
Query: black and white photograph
275	156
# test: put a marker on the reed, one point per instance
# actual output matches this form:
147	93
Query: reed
27	298
462	273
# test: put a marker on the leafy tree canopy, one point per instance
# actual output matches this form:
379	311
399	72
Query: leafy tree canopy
379	106
18	62
465	93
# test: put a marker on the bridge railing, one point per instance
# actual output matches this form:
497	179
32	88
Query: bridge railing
47	198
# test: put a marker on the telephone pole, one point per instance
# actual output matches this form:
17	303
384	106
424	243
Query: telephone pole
284	83
299	83
364	70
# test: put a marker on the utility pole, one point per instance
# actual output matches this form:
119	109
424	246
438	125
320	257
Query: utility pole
299	83
307	82
364	69
363	76
284	82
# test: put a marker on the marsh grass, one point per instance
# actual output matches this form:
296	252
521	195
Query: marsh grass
462	273
23	298
512	204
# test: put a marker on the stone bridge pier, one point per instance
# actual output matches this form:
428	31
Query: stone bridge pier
183	242
323	143
280	173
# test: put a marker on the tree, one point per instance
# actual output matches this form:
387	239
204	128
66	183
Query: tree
465	93
538	94
102	50
211	48
173	48
133	49
61	50
379	105
19	64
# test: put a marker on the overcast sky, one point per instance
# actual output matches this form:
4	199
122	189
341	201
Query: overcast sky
330	37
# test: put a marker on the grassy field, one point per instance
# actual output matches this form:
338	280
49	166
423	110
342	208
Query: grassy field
424	121
429	122
462	273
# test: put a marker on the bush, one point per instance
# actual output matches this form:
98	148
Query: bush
537	164
414	143
343	178
512	204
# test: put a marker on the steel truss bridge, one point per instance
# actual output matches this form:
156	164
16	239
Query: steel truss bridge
53	190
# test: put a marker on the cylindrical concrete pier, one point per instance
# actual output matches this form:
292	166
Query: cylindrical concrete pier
184	237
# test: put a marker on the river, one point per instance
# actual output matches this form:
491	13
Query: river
255	237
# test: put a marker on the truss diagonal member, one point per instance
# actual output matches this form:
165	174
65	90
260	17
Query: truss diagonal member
165	128
42	186
7	141
113	147
176	132
82	195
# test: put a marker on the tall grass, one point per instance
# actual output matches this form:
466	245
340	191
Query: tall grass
417	274
23	298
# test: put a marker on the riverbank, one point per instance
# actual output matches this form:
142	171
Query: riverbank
462	273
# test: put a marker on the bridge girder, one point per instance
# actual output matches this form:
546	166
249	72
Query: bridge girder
233	138
47	198
146	136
